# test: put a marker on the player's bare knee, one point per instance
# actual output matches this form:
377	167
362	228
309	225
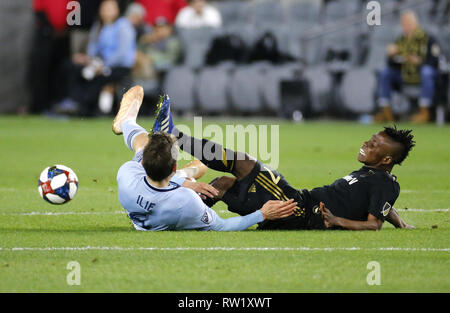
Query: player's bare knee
244	163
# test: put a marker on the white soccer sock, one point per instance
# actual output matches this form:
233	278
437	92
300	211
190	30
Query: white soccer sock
130	130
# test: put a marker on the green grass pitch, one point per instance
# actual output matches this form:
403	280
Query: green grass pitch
35	246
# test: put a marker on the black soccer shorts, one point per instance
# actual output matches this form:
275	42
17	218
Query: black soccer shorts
264	184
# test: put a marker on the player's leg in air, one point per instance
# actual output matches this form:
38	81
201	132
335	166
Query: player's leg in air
136	137
153	193
253	183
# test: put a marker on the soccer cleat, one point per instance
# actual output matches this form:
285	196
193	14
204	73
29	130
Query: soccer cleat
163	120
129	108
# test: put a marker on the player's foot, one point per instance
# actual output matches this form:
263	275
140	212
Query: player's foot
129	108
385	115
163	120
421	117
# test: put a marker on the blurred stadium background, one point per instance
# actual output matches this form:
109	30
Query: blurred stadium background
321	59
324	66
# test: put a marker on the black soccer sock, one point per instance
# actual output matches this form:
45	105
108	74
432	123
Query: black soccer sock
212	154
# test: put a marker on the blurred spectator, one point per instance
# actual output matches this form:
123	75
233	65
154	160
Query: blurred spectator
158	51
79	34
413	59
162	8
444	19
111	54
136	13
198	14
50	48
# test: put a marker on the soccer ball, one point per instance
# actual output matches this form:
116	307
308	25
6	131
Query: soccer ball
58	184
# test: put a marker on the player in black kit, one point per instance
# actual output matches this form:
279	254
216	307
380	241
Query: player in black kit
363	200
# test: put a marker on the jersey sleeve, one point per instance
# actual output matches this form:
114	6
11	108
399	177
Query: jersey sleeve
236	223
433	52
178	179
382	199
197	215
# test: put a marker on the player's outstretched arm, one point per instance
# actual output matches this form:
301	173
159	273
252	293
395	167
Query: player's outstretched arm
372	223
271	210
275	209
396	220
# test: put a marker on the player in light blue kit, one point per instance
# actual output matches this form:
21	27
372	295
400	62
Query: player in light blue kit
156	196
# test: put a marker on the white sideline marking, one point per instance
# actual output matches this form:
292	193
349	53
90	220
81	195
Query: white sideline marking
89	248
123	212
422	210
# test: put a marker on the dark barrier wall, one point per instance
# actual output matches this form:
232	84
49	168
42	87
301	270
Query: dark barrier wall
15	39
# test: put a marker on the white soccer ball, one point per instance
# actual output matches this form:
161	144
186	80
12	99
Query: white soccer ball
58	184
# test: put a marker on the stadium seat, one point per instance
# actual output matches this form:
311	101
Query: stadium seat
358	90
195	44
233	11
179	83
213	88
338	9
320	86
400	103
298	46
306	11
341	40
381	36
444	41
245	87
431	12
272	11
248	32
310	50
272	78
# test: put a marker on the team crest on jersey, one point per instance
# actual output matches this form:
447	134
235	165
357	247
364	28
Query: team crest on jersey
386	208
316	209
206	218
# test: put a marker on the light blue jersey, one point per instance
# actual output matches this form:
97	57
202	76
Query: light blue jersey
170	208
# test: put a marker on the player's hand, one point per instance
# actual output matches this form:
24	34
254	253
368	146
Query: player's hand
274	209
203	189
407	226
328	218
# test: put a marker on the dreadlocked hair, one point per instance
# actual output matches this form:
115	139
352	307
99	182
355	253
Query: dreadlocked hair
403	137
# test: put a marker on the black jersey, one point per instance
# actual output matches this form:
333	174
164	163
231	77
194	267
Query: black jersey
363	192
353	197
